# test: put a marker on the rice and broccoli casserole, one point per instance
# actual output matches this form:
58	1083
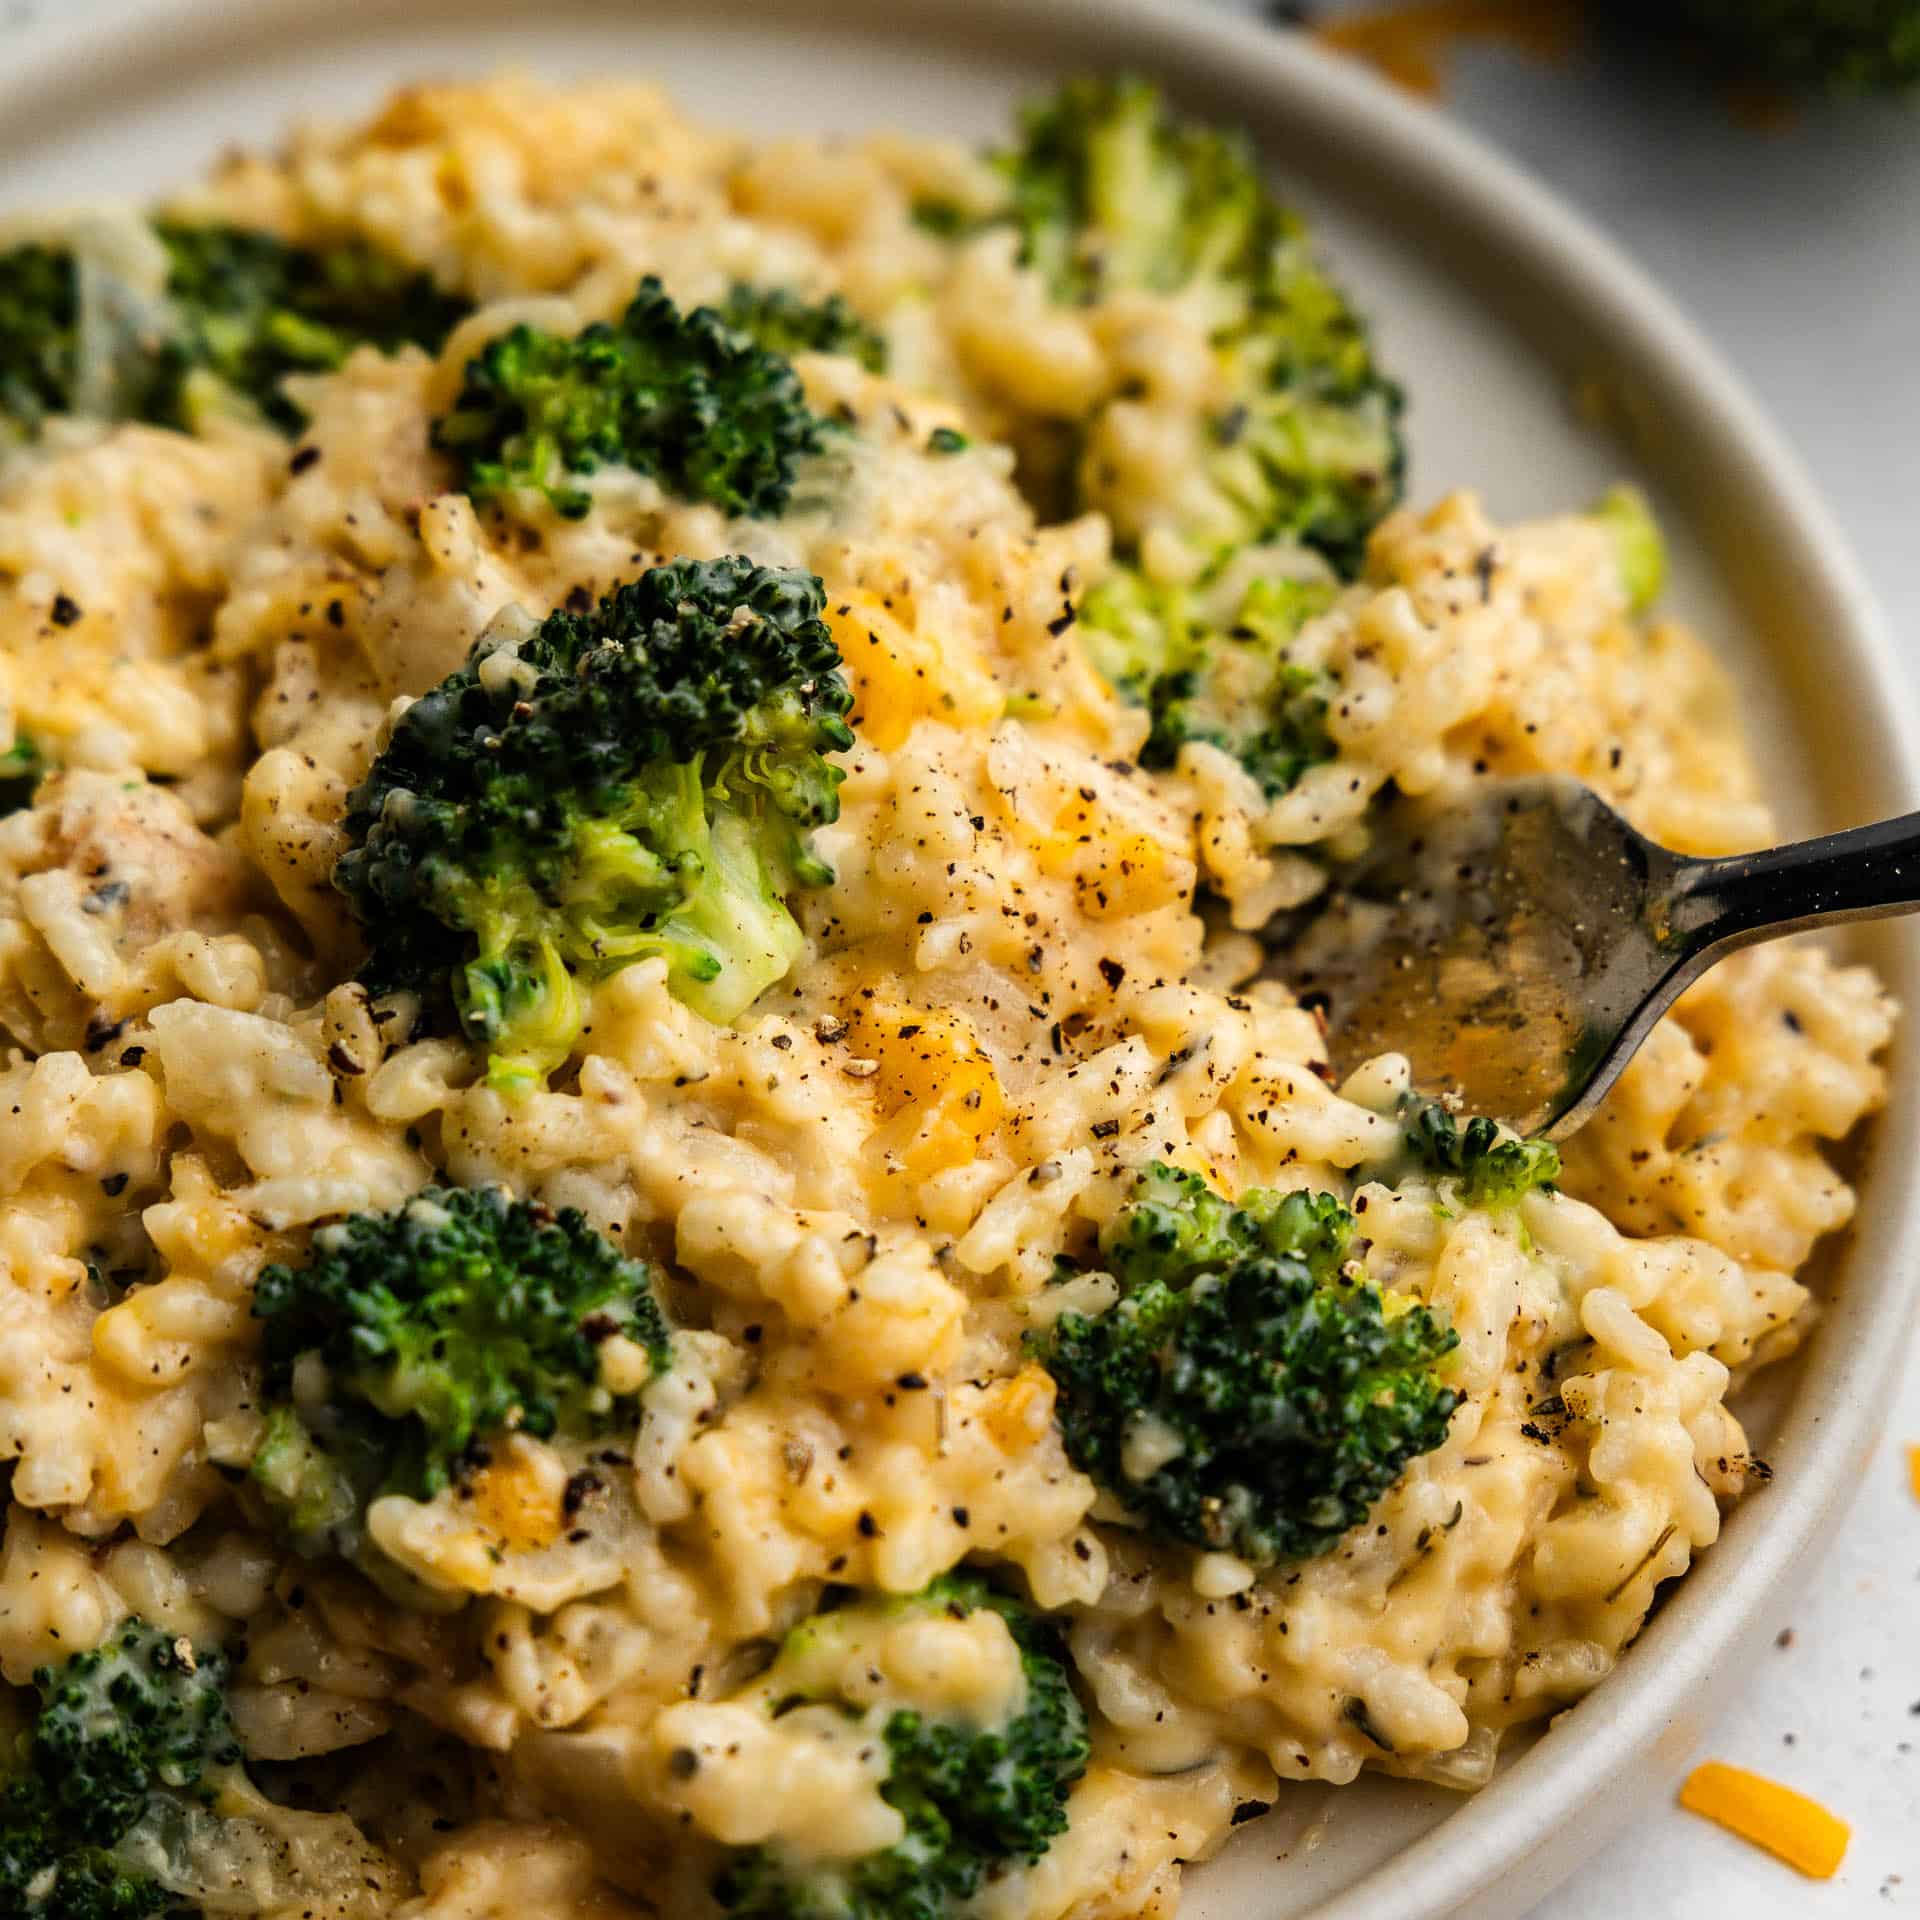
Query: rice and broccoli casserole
658	1251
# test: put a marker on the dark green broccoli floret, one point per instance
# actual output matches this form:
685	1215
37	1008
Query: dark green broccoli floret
683	397
942	219
145	1711
251	310
41	1879
974	1799
39	314
458	1316
144	1715
1816	46
1491	1169
1110	191
241	311
632	781
1228	681
1249	1392
22	766
780	321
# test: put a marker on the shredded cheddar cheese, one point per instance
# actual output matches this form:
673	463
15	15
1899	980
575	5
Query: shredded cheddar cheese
1411	45
1787	1824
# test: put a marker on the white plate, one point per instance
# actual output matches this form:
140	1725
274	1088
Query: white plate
1497	307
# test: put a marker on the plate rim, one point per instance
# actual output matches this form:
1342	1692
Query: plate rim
1532	1828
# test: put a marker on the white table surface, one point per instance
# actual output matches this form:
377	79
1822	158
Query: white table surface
1798	252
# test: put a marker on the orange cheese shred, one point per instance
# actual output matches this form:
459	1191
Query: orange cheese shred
1787	1824
1913	1470
1411	44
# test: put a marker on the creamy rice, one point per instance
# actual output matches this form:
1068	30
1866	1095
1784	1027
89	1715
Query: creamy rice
1006	1006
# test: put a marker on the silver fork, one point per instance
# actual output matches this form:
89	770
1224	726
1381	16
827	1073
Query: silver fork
1518	945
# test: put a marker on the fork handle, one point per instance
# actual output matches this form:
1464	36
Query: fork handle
1865	873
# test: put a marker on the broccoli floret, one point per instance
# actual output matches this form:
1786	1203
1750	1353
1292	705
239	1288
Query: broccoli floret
636	780
1223	680
129	1784
462	1314
1816	46
143	1715
683	397
40	1879
22	766
39	320
1110	191
1638	544
251	310
778	319
242	310
973	1799
1249	1392
1491	1169
145	1711
319	1494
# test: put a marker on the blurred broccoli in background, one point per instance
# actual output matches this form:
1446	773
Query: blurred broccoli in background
1813	46
1250	1392
1638	544
1110	191
253	310
639	779
39	314
409	1337
974	1799
1843	48
689	398
240	311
